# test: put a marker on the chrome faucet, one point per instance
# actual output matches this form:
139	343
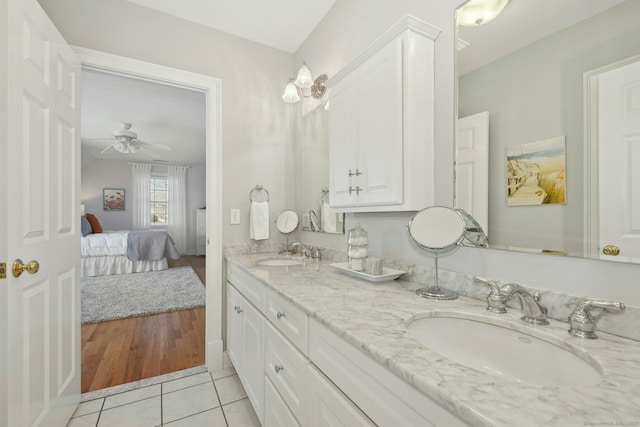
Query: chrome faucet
532	312
305	251
583	324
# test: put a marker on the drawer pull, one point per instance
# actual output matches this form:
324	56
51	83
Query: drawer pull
280	315
278	368
238	309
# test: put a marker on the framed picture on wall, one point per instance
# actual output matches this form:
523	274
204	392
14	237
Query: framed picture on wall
113	199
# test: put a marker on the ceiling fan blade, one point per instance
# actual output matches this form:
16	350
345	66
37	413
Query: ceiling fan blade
106	149
155	145
98	140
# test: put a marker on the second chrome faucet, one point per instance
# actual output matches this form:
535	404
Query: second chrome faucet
532	312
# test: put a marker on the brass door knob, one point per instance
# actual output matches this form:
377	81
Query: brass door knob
18	267
611	250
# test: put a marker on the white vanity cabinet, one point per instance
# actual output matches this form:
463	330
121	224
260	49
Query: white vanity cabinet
297	372
381	132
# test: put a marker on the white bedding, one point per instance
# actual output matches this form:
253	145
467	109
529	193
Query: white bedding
105	254
107	243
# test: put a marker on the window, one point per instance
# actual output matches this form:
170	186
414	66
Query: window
158	199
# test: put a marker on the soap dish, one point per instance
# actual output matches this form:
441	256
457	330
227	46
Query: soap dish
387	275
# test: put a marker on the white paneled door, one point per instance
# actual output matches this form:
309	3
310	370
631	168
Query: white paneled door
619	156
41	192
472	167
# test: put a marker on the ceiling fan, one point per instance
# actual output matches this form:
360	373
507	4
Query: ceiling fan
126	141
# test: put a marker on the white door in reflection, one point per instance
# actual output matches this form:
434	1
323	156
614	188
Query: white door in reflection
472	167
619	154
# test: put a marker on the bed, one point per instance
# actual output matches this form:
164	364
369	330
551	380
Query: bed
124	251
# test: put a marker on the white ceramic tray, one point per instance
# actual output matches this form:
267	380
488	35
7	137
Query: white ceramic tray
387	275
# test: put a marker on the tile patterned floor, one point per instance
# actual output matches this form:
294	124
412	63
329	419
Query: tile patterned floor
205	399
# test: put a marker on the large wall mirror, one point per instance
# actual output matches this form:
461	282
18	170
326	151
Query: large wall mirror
544	91
314	170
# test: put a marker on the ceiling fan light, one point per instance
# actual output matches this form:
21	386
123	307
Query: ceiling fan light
134	147
304	79
120	146
291	92
478	12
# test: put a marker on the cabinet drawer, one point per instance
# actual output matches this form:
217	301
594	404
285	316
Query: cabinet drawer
384	397
331	408
292	322
250	287
276	412
286	367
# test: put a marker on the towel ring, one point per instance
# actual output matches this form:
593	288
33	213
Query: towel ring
258	189
325	191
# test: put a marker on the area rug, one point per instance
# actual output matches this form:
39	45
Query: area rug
129	295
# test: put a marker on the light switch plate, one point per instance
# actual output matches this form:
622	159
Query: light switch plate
234	216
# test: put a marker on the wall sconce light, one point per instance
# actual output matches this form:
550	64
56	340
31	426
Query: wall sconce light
478	12
305	86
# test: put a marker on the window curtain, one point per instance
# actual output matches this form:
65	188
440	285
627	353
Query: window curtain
141	195
177	207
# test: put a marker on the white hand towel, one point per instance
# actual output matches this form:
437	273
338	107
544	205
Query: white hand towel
259	221
328	219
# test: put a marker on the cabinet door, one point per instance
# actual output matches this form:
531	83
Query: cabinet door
343	142
276	412
380	127
234	327
252	375
330	407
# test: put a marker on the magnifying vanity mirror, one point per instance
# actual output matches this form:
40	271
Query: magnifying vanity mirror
313	175
286	223
542	71
438	230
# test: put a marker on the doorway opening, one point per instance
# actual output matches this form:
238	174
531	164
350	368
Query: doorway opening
155	344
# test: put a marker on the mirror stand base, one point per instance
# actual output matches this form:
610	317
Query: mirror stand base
437	293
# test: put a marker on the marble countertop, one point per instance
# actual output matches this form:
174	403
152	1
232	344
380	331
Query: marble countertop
374	317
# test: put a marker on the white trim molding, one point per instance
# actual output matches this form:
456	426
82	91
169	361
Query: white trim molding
211	87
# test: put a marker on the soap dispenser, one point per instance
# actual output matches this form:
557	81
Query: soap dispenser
358	245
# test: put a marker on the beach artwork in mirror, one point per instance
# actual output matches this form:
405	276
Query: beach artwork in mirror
316	215
520	82
536	173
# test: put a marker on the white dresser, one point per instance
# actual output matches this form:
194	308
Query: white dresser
201	231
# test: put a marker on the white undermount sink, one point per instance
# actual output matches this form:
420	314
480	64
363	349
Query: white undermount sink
501	351
281	262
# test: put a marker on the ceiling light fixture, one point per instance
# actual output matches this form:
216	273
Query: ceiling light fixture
478	12
305	86
127	146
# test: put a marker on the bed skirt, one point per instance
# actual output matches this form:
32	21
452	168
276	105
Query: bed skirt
117	264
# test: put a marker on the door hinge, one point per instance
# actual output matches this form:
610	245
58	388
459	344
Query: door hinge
3	270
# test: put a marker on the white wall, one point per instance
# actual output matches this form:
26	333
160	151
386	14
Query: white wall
344	32
256	124
536	93
101	173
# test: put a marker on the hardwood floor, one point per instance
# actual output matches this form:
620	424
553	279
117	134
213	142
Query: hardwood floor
121	351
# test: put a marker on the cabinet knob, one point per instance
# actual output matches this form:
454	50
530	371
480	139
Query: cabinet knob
278	368
238	309
280	315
